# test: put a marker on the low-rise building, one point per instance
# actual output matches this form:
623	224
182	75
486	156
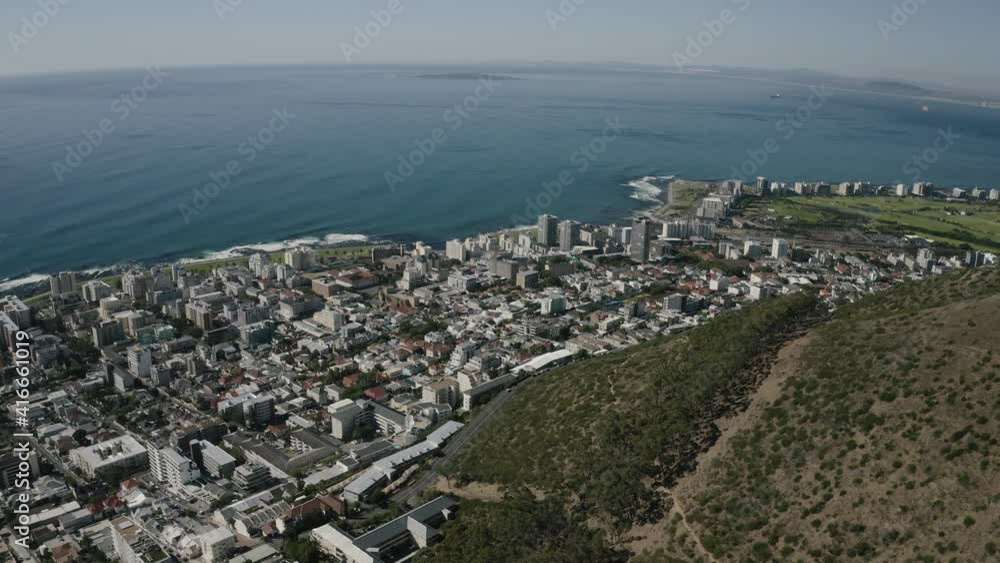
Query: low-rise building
416	529
120	457
133	544
216	544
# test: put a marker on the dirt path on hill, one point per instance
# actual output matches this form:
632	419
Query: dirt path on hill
679	510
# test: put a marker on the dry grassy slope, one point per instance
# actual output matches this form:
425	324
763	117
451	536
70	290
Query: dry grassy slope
620	410
875	440
554	419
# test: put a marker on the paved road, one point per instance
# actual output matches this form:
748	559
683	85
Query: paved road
56	462
453	447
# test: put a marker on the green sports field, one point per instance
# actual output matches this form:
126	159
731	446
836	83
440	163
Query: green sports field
937	220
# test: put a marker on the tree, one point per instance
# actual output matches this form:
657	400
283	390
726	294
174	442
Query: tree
84	350
302	551
80	437
364	432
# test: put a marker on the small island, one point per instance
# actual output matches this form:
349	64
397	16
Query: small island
465	76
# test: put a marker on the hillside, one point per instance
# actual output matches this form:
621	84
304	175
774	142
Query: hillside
871	437
881	444
603	434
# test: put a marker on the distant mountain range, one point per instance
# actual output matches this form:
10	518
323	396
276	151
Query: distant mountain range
891	86
940	90
929	92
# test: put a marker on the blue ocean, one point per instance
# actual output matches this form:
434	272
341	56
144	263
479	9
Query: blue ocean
73	199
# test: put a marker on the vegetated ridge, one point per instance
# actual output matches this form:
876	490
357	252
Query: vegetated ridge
879	445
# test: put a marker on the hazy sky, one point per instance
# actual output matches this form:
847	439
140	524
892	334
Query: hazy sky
942	38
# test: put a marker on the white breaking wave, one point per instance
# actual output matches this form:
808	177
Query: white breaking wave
234	252
337	238
649	188
30	279
101	270
243	250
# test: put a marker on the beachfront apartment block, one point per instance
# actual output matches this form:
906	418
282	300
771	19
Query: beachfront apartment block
456	250
95	290
688	229
548	230
569	234
299	258
63	284
134	284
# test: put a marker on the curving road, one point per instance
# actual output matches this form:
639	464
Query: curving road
452	448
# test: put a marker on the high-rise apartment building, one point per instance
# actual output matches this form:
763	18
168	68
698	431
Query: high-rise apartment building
547	235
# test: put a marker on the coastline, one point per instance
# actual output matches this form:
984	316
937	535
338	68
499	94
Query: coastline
665	197
677	198
28	284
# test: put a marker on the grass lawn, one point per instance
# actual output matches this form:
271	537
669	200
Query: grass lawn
937	220
685	195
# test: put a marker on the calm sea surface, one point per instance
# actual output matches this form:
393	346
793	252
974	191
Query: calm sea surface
324	174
